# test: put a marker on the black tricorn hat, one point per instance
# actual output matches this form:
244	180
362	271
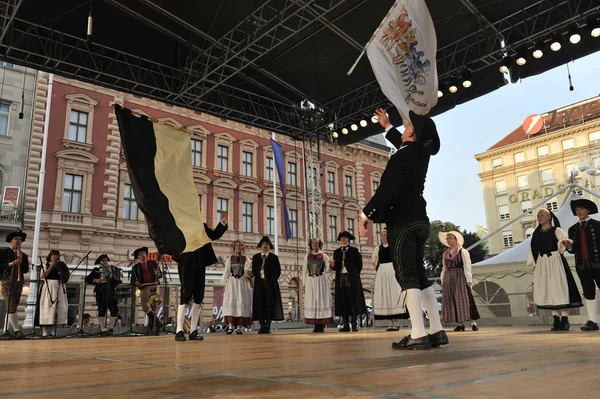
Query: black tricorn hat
265	239
101	257
17	233
584	203
426	133
347	235
137	251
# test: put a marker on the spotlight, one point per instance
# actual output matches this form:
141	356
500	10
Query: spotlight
594	27
363	123
453	88
505	64
466	79
374	119
354	127
521	58
574	35
335	135
556	43
440	94
344	131
537	51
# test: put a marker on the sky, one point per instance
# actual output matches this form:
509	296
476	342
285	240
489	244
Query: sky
453	190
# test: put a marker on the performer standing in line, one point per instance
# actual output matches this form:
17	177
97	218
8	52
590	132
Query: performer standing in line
237	300
349	295
266	299
458	304
14	264
105	278
584	242
192	275
146	275
555	287
317	291
53	305
399	203
387	298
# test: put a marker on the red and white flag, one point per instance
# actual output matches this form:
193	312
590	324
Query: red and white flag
402	53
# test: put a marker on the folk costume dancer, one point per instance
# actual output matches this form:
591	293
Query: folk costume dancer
53	305
317	291
584	243
388	301
105	278
146	275
237	299
192	275
349	295
399	203
14	264
554	285
266	298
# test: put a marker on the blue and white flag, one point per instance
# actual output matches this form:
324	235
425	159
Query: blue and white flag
278	155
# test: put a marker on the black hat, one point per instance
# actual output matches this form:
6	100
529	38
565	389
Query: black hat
14	234
265	239
584	203
347	235
426	133
102	257
137	251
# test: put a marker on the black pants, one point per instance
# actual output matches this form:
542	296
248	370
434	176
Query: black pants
407	242
348	298
104	300
267	298
192	277
587	277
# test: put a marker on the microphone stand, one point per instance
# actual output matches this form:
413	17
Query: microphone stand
80	333
166	276
130	331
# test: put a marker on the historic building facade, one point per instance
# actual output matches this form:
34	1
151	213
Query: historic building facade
522	171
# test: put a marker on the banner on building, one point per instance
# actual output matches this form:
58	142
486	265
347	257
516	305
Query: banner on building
10	197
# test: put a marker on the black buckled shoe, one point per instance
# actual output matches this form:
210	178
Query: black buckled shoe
407	343
590	326
556	326
238	332
194	336
460	327
345	328
475	327
180	336
229	331
564	323
438	339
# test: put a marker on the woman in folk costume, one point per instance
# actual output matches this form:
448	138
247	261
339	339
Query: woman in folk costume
554	287
237	301
317	291
458	304
388	301
53	305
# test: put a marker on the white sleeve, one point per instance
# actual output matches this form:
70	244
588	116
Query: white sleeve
467	265
304	270
326	260
443	270
227	271
530	261
248	265
561	235
375	256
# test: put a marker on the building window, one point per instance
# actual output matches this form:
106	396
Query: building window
547	176
507	239
331	182
294	222
542	151
7	64
247	163
378	232
348	185
526	207
594	137
375	185
497	163
522	182
222	158
503	212
519	157
196	153
350	226
269	169
130	209
78	126
200	201
569	168
72	191
500	187
568	144
222	205
247	217
333	228
270	220
529	232
291	173
552	206
4	118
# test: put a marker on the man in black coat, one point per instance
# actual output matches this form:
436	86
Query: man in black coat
399	203
145	276
266	298
349	296
11	285
105	278
192	276
584	243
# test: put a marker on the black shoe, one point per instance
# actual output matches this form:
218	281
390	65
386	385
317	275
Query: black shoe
408	343
354	328
460	327
229	331
194	336
262	330
475	327
157	326
19	335
180	336
556	326
238	332
564	323
346	328
590	326
438	339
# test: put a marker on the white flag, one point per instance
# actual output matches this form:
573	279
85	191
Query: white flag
402	53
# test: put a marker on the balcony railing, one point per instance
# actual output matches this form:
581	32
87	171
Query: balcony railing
11	214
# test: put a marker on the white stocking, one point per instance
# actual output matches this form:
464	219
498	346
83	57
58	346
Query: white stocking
109	322
101	321
413	304
196	310
590	306
564	312
555	312
13	318
45	331
180	317
473	323
431	305
231	326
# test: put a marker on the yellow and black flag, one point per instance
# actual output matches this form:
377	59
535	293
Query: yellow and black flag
159	160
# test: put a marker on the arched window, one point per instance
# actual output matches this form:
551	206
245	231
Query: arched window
493	297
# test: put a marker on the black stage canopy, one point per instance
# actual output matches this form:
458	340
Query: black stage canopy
255	61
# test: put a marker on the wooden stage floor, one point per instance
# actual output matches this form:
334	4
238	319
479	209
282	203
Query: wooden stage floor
495	362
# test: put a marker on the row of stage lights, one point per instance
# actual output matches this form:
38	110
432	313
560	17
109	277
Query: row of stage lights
354	126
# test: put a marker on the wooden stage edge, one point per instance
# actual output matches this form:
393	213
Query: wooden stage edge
495	362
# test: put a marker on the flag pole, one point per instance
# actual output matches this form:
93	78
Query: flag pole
356	62
276	221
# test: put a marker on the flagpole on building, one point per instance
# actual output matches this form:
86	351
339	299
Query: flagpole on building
31	298
276	221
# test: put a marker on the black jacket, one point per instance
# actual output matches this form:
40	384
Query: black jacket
7	255
592	233
137	274
399	198
105	287
354	265
272	274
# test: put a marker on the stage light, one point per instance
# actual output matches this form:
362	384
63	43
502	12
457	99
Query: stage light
521	58
466	79
363	123
335	135
344	131
556	43
574	35
354	127
453	88
537	51
440	94
594	27
505	65
374	119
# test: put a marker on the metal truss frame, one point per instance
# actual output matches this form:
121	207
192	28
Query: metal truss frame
314	194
